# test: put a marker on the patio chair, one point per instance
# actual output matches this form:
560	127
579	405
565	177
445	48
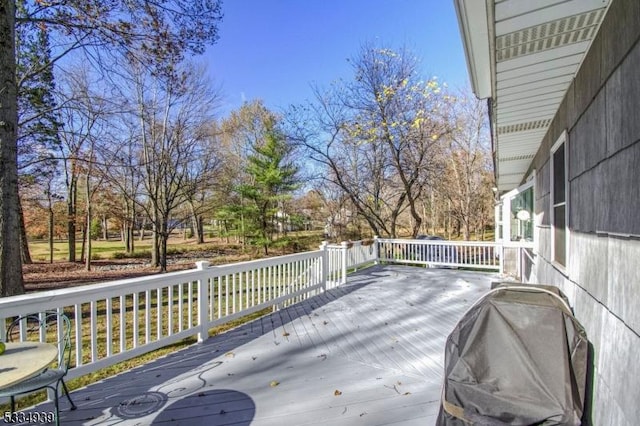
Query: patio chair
35	328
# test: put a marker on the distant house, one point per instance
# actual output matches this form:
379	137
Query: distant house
562	78
336	224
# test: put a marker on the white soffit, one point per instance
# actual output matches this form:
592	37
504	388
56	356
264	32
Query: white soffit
476	41
536	48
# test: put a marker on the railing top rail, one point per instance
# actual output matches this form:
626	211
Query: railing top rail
67	296
16	305
260	263
439	242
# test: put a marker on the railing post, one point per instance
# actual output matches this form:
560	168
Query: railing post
325	265
203	302
501	258
345	247
376	250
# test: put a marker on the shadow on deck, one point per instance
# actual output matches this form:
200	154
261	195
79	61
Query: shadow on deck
369	352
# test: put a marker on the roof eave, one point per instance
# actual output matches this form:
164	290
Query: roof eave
476	43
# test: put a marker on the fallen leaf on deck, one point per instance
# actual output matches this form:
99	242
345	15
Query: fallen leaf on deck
274	383
285	334
230	355
337	393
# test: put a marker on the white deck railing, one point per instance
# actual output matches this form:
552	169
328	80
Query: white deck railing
118	320
434	253
115	321
346	256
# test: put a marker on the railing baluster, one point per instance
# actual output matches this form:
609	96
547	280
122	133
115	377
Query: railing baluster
170	310
147	316
247	289
158	313
226	295
135	319
78	333
123	323
190	304
212	298
109	325
253	288
180	306
219	297
94	331
233	293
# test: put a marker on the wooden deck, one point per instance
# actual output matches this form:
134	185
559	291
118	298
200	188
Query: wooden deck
369	353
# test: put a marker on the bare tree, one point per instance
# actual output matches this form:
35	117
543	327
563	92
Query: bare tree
83	113
465	185
123	177
172	114
377	136
160	32
201	180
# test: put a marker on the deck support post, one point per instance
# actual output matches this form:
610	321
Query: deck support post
203	302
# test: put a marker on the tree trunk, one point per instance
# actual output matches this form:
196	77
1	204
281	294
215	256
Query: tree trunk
163	237
24	242
200	227
155	244
83	246
105	230
71	216
417	224
197	225
11	282
131	225
142	225
87	259
50	236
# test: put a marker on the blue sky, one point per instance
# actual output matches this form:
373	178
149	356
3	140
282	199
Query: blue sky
274	49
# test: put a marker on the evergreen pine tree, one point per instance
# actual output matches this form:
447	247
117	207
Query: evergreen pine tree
274	177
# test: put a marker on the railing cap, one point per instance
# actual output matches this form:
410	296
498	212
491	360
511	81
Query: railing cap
202	264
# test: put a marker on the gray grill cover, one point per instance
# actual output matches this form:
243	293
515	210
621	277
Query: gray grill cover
517	357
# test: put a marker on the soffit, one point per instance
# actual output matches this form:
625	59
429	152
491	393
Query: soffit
536	48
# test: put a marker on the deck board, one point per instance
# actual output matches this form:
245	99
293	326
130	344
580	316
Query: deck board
366	353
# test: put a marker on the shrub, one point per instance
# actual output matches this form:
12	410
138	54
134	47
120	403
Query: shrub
144	254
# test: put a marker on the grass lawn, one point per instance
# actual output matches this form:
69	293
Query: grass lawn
99	249
112	249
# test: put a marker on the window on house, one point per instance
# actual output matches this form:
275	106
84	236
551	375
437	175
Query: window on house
559	202
522	215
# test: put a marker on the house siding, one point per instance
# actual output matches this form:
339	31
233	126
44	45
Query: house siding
601	114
